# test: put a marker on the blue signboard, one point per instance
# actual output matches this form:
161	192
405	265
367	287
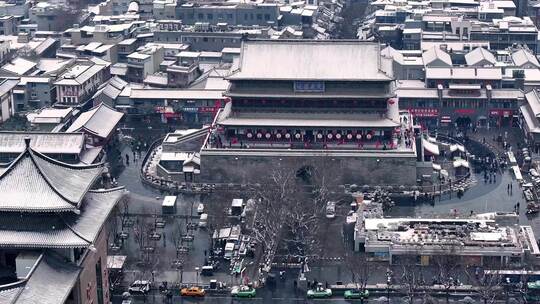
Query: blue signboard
309	86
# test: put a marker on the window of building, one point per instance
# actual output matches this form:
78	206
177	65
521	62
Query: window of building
99	282
201	16
266	17
210	16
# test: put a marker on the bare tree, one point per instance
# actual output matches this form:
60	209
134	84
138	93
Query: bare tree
272	200
487	285
359	268
448	269
411	278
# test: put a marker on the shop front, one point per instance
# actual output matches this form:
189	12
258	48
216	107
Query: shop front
426	117
501	117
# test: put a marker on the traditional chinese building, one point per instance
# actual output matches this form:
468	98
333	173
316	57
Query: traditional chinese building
300	103
53	237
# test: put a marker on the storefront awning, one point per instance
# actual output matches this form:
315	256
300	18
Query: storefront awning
461	163
457	147
430	147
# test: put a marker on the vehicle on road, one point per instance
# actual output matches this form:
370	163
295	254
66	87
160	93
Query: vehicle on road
243	291
203	220
533	292
194	291
330	210
356	294
140	286
319	292
200	209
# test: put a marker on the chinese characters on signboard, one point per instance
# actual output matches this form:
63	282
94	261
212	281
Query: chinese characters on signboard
309	86
424	112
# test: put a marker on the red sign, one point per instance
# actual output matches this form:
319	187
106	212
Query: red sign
172	115
497	112
465	111
424	112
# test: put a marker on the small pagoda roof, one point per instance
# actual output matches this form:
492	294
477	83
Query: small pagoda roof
34	182
100	121
60	230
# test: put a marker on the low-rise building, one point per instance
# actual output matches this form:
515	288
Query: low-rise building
462	104
530	118
472	242
99	124
65	147
76	85
51	119
6	99
230	13
144	62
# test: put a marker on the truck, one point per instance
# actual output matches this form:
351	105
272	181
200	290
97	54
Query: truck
169	205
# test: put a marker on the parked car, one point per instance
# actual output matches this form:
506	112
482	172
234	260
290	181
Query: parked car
194	291
243	292
140	286
356	294
319	292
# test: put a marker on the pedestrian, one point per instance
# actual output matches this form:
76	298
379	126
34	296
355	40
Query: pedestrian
127	159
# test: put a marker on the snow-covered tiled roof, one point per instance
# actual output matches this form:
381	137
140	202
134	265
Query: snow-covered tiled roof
100	120
36	183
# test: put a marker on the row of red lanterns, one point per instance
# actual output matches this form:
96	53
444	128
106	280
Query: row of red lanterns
349	136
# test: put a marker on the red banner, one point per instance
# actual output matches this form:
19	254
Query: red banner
172	115
465	111
424	112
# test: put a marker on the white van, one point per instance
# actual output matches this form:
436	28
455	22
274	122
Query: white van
200	208
169	205
330	210
203	220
